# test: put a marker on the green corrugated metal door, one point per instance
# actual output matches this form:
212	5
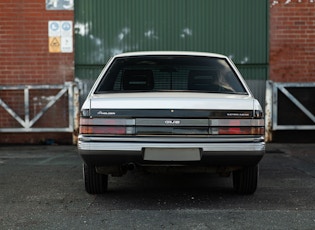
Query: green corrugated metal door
236	28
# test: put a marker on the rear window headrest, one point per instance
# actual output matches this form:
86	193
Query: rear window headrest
138	80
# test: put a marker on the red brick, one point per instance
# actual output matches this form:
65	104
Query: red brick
292	41
25	60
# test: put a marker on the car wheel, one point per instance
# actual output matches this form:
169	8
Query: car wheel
95	183
245	180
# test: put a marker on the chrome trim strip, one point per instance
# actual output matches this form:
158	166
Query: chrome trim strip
214	148
221	139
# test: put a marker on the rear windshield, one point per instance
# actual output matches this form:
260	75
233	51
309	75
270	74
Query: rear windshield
170	73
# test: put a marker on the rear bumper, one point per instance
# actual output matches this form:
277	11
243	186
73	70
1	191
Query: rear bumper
216	152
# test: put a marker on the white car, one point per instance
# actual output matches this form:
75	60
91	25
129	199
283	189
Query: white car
185	112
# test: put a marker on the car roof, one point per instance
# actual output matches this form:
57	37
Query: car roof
181	53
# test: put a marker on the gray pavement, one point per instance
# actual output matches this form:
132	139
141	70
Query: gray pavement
41	187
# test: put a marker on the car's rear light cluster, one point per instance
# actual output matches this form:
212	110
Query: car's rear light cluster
107	126
238	131
113	126
237	127
115	130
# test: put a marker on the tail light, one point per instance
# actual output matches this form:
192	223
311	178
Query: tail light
107	126
237	127
241	131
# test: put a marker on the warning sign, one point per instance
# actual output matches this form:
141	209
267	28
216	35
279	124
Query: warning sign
54	44
60	36
66	28
54	28
59	4
66	44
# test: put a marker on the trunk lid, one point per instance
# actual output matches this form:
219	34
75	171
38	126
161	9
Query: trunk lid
182	101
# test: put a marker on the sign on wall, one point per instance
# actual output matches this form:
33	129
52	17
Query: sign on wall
59	4
60	37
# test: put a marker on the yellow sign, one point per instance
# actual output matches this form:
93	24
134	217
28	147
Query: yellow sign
54	44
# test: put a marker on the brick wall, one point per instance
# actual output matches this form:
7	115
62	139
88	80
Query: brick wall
25	59
292	40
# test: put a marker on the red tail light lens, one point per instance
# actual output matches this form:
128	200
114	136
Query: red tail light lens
107	126
237	127
241	131
103	130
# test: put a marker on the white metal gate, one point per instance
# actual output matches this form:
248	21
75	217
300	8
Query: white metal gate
289	106
26	123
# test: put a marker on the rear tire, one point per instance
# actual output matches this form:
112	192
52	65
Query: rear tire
95	183
245	180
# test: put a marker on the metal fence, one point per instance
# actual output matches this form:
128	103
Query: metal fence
289	106
21	119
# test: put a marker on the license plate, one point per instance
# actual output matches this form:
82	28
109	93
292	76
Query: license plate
172	154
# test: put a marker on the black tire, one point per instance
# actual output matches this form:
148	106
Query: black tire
95	183
245	181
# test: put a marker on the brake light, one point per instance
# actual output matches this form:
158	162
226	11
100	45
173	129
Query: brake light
102	130
107	126
237	127
241	131
113	122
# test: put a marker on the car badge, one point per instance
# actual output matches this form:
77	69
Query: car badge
105	113
172	122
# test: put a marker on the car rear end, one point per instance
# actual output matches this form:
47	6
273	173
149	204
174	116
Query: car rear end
156	119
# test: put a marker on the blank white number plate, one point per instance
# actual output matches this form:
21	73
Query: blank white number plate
171	154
